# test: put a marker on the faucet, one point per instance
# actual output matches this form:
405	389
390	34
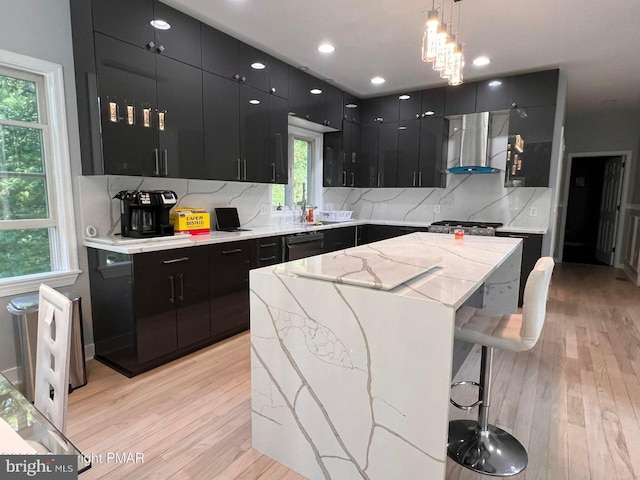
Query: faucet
303	205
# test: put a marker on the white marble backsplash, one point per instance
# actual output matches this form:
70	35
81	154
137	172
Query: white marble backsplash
98	208
481	197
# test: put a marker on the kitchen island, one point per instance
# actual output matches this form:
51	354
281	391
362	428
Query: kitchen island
351	351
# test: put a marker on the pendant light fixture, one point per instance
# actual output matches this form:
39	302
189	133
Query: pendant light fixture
441	47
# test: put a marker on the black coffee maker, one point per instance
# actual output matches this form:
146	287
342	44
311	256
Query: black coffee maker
145	213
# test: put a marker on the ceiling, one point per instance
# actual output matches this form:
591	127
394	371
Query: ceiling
597	44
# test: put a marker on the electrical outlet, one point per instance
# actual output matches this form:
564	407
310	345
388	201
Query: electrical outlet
265	208
436	209
533	211
383	207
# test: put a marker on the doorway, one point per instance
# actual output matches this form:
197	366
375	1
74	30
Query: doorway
593	207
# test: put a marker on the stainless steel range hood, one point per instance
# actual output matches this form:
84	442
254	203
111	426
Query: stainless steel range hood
474	145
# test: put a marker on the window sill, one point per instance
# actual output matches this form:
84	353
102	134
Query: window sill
31	283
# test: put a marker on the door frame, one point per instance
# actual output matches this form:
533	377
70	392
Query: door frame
626	158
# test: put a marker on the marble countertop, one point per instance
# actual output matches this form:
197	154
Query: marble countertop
461	264
116	243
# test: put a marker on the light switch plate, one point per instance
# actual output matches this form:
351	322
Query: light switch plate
533	211
383	207
436	209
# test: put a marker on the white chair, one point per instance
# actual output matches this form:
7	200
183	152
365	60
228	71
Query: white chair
477	445
52	357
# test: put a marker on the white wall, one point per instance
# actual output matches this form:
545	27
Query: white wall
42	29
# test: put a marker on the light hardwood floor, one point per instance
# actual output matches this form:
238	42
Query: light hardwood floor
573	400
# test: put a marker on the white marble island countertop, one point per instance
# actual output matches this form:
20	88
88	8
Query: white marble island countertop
431	266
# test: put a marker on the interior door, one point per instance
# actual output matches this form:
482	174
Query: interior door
609	205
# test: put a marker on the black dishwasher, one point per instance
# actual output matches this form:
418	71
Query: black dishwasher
303	245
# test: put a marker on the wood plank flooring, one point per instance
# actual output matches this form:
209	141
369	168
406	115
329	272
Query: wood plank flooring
573	400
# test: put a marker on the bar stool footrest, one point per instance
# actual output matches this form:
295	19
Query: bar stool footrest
465	407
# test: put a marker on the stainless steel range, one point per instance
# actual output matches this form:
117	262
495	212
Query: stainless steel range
487	229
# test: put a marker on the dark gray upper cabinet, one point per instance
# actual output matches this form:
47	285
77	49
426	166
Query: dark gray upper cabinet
529	146
380	110
433	152
352	108
127	94
312	99
494	94
460	99
253	67
180	135
408	152
387	154
254	134
130	21
333	106
221	103
341	157
433	102
219	52
368	171
533	89
278	78
410	105
278	134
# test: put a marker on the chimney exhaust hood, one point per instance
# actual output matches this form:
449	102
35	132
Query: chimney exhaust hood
474	145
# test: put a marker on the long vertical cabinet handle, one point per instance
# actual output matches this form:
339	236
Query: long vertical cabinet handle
378	179
172	298
156	152
273	171
283	168
353	179
420	179
181	296
414	180
238	176
165	162
244	161
344	178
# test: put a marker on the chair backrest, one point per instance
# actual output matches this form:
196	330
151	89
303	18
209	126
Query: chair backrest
534	304
52	356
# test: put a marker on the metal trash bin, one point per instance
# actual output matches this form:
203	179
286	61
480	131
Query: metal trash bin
25	321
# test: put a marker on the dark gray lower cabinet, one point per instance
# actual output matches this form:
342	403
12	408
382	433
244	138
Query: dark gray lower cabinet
375	233
531	252
268	251
339	238
229	265
148	308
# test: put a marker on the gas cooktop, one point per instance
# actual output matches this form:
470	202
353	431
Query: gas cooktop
461	223
487	229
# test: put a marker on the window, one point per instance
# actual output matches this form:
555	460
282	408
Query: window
37	235
305	168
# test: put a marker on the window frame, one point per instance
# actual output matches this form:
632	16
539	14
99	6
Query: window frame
57	166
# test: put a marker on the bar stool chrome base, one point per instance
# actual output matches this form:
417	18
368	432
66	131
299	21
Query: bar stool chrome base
490	452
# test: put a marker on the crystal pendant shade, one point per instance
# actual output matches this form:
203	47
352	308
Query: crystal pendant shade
442	48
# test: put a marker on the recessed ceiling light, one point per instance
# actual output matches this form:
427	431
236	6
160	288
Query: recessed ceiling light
481	61
160	24
429	112
315	91
254	101
404	97
258	65
326	48
351	105
377	80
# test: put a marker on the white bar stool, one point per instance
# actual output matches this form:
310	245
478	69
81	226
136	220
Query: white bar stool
478	445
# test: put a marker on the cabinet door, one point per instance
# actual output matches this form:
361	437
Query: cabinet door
253	67
408	153
433	102
389	108
333	107
369	156
127	94
533	89
154	303
298	93
352	108
180	102
529	146
410	108
192	296
268	251
254	134
219	53
229	287
433	152
125	20
494	94
460	99
221	99
278	78
351	148
278	134
531	252
181	41
339	238
334	173
388	154
317	99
